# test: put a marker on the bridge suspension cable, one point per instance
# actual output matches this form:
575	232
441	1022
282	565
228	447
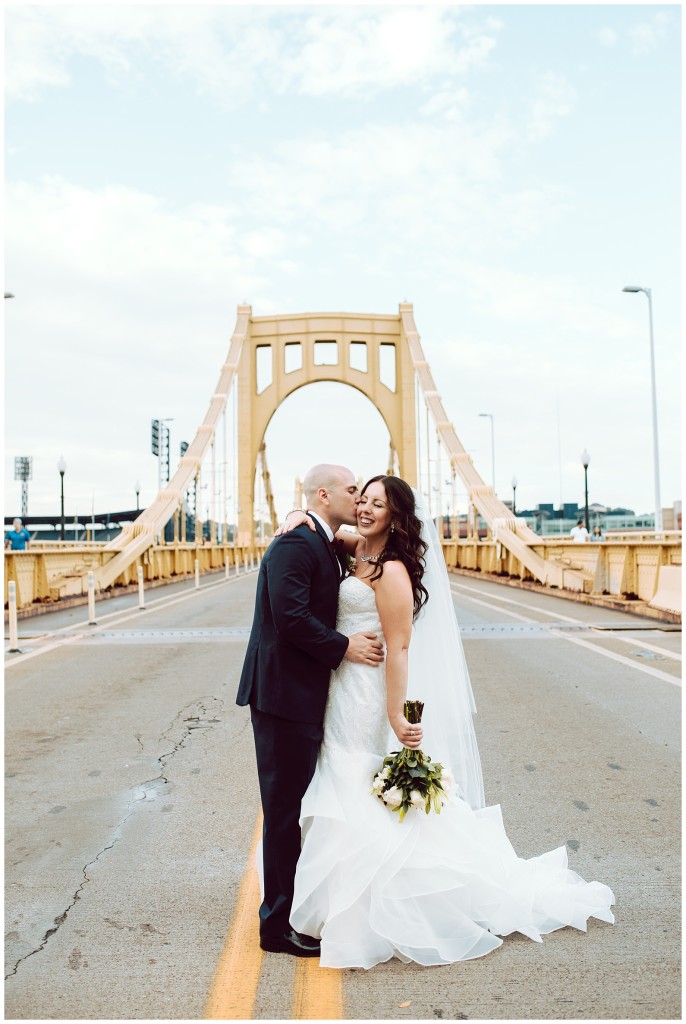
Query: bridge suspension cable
513	533
266	479
136	537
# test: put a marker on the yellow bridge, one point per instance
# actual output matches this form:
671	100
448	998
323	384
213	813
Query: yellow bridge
382	357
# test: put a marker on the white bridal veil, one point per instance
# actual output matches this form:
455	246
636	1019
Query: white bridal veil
438	674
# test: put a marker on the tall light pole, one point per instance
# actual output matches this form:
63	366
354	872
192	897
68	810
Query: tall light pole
585	459
490	416
656	454
62	469
514	483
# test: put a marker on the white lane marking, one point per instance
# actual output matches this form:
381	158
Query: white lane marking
664	676
496	608
154	603
568	618
159	604
671	655
519	604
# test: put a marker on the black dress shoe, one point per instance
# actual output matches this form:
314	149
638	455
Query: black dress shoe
292	942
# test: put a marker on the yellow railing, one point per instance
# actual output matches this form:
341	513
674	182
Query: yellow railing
621	567
47	574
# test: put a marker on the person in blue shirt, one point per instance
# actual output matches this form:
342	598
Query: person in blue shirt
18	538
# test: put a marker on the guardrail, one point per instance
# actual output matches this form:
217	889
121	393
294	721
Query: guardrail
625	567
47	574
617	535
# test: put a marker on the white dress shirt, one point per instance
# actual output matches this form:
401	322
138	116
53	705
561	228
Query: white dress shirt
327	529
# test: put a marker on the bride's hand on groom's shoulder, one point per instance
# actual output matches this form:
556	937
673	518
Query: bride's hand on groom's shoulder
294	519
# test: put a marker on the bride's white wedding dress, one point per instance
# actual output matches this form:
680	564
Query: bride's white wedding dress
433	888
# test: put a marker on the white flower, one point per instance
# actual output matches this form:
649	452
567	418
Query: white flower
378	784
385	773
447	779
393	797
417	800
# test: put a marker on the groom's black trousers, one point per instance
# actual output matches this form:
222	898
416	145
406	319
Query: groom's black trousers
286	758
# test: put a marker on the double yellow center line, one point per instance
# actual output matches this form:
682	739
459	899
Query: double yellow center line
317	991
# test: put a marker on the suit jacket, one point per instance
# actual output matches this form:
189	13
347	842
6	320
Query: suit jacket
293	644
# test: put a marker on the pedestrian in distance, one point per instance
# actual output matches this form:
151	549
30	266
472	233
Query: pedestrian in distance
18	538
579	533
597	534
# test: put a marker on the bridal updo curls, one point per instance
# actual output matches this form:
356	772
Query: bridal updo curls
404	541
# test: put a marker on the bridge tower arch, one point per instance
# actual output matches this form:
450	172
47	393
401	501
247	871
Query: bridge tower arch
283	353
269	358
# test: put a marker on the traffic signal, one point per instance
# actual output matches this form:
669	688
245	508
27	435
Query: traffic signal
156	437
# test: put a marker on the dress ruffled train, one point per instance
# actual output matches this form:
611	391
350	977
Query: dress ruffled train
433	889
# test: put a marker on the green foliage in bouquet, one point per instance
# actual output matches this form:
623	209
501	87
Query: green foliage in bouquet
409	779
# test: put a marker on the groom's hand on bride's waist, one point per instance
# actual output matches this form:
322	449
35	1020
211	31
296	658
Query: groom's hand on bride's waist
364	649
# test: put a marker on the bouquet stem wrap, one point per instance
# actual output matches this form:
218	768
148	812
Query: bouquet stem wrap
409	779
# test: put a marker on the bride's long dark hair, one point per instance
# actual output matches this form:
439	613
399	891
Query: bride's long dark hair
404	541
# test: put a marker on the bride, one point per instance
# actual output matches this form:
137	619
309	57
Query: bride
433	888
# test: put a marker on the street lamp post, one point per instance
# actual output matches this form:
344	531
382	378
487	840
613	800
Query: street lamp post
490	416
656	455
137	485
585	459
514	483
62	469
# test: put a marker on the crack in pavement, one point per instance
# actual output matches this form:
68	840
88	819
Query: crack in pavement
191	723
139	794
59	921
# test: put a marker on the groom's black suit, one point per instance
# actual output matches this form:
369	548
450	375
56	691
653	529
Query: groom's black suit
292	649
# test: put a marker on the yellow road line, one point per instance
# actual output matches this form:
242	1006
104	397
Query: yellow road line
317	992
232	996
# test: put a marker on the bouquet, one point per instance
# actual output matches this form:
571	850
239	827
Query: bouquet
409	779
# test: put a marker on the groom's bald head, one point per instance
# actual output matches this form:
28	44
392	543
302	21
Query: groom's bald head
325	476
331	491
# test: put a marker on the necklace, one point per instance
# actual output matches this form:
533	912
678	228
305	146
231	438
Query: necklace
371	558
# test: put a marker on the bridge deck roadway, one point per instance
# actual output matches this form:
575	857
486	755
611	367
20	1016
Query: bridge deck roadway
131	805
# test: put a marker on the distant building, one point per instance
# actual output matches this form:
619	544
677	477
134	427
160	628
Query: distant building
547	520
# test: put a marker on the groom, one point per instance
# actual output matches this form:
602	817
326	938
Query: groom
292	649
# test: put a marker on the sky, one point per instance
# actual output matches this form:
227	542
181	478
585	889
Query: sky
505	168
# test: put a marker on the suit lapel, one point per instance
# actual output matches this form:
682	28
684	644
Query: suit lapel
329	547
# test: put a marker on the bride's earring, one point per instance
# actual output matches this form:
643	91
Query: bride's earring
392	527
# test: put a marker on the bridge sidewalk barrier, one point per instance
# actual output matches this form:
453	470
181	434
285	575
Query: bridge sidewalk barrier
668	594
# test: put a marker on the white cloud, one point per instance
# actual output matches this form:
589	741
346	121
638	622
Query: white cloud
432	185
122	312
643	37
646	36
555	98
231	51
607	36
451	104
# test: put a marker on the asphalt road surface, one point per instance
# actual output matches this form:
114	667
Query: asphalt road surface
132	806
